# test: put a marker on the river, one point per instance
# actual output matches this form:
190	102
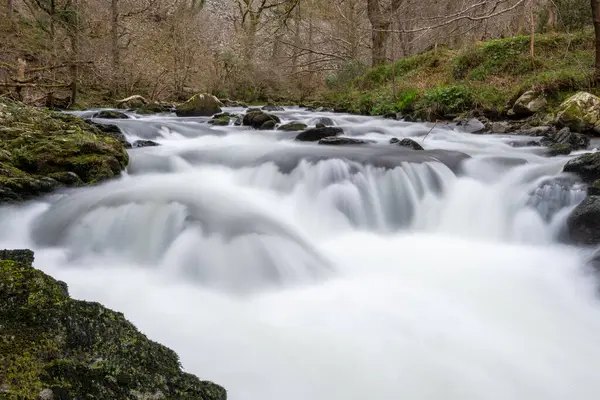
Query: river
286	270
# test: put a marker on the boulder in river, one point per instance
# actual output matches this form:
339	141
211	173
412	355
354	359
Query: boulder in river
110	114
580	113
559	149
55	347
200	105
272	108
35	144
411	144
530	103
587	167
132	102
256	119
293	126
340	141
323	121
316	134
111	130
222	119
144	143
583	225
472	125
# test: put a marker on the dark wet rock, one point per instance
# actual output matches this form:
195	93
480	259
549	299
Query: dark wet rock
256	119
538	131
559	149
293	126
594	189
222	119
272	108
268	125
390	116
111	130
583	225
38	146
574	140
587	167
144	143
200	105
394	140
323	121
340	141
111	114
155	108
409	143
66	178
63	348
472	126
316	134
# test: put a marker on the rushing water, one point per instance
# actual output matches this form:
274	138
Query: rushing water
295	271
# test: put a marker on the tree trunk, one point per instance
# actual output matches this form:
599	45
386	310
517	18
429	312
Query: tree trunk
9	9
596	14
378	31
114	35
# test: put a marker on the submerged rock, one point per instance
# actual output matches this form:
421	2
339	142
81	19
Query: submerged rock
200	105
36	144
316	134
472	126
144	143
70	349
272	108
339	141
587	167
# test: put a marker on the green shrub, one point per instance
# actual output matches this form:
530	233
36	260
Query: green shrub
445	101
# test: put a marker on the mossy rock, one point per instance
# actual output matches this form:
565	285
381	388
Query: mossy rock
292	127
256	119
200	105
580	113
37	146
559	149
52	344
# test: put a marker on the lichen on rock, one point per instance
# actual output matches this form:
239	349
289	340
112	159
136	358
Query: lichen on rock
37	144
68	349
580	113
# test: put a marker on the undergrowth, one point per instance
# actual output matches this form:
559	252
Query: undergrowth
488	76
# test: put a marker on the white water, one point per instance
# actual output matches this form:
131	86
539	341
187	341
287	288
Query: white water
335	280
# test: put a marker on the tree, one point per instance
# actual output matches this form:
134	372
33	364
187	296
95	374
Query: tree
596	15
381	20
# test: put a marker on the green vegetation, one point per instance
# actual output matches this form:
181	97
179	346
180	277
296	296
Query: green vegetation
52	344
41	149
487	76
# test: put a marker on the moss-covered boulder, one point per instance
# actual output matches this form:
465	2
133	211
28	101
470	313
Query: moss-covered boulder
293	126
200	105
52	346
580	113
37	145
257	119
222	119
529	103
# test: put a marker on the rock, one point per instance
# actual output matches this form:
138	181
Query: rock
222	119
559	149
232	103
410	144
338	141
155	108
574	140
111	130
580	113
529	104
472	126
144	143
583	225
45	145
110	114
71	349
390	116
268	125
316	134
256	118
320	125
587	167
537	131
594	189
293	126
500	127
394	140
323	121
131	102
200	105
272	108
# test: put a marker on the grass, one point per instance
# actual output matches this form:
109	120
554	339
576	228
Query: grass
488	76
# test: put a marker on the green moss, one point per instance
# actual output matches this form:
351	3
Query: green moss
79	349
293	126
37	143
